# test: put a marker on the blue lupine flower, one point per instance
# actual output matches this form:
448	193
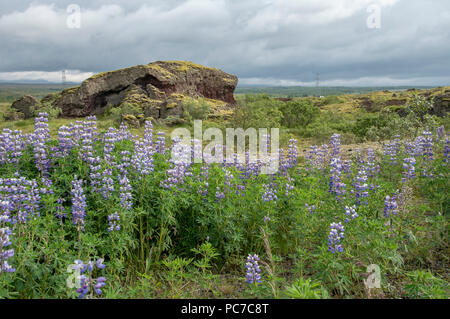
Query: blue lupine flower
390	206
89	285
350	212
334	238
252	269
78	204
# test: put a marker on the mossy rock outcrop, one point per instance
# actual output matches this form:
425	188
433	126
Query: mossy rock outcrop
441	104
153	87
25	105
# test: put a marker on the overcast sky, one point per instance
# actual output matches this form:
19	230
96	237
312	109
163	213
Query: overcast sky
273	42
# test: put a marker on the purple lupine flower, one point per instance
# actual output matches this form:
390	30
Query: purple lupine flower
204	175
95	173
289	186
361	188
109	139
427	145
180	164
60	209
270	193
23	196
124	163
311	208
88	137
107	184
240	190
125	192
228	181
409	171
283	163
391	150
114	222
41	137
78	204
350	212
252	269
316	157
390	206
347	168
219	195
337	187
447	150
337	233
292	153
65	139
335	145
161	143
360	161
142	159
372	168
5	241
124	134
266	219
12	144
99	263
148	135
77	131
89	285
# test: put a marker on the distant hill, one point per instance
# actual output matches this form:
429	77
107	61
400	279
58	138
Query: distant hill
303	91
10	92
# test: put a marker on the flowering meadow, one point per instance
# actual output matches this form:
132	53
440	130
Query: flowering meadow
118	216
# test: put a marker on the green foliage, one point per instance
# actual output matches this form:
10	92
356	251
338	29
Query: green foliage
299	113
419	106
424	285
258	111
306	289
208	254
331	99
52	111
368	122
184	242
117	113
195	110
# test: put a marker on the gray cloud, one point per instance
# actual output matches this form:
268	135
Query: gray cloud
261	41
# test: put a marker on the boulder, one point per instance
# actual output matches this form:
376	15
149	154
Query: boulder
441	104
158	88
25	105
395	102
366	103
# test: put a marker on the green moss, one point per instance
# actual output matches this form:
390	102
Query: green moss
183	68
215	104
229	80
163	72
71	90
129	117
171	105
187	64
178	96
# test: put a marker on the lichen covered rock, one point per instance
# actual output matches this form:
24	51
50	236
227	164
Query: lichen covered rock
155	87
25	105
